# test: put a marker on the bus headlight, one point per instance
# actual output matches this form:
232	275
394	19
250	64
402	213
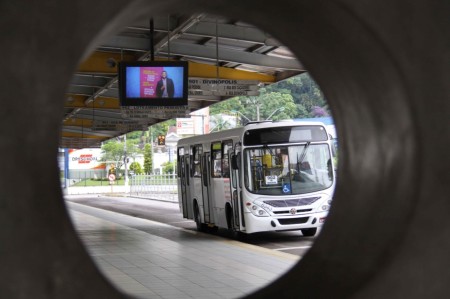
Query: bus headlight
256	210
324	206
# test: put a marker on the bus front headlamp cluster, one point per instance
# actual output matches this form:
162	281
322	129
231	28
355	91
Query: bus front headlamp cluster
326	205
256	210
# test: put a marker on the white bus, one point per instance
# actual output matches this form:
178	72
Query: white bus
267	176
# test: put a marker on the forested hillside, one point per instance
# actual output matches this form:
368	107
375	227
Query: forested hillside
300	96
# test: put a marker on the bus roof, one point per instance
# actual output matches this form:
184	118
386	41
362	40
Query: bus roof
237	133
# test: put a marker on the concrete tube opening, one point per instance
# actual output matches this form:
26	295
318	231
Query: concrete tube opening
305	103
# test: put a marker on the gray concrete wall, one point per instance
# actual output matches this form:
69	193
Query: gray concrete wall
383	66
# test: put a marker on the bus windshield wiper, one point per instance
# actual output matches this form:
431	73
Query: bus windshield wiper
303	154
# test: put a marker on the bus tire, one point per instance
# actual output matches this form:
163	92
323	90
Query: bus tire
197	218
309	232
212	229
229	215
234	234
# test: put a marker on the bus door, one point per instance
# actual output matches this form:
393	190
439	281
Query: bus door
206	187
183	186
189	202
236	202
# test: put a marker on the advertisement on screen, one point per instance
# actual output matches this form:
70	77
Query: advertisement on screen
153	84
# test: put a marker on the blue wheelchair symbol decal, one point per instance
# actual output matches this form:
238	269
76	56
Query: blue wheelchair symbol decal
287	188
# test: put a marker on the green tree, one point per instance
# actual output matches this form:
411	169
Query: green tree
133	149
162	127
265	104
275	100
148	163
305	92
134	135
218	123
233	104
252	106
138	138
136	167
168	167
113	150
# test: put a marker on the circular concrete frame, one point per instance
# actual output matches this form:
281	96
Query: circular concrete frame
382	65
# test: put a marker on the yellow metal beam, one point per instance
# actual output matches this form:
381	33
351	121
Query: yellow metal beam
78	122
98	62
79	135
76	101
105	103
210	71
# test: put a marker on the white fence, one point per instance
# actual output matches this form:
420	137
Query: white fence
162	187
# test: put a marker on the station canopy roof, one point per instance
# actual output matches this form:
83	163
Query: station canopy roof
214	47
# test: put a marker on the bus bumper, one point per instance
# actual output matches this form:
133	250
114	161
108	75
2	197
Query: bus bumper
297	222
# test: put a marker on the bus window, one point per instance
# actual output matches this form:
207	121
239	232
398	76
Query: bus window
196	152
226	147
299	169
216	160
233	178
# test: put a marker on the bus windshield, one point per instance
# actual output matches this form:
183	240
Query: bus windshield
288	170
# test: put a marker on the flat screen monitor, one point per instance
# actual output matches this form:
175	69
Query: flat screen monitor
153	83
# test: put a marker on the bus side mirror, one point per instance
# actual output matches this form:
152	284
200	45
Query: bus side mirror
234	162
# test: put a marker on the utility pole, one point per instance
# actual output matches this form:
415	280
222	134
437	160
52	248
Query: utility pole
203	124
151	146
255	101
257	111
125	161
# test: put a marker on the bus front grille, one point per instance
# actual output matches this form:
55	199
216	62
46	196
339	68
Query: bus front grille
287	212
292	202
287	221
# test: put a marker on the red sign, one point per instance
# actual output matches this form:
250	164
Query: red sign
85	159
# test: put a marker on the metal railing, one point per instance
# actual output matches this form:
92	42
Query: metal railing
90	178
163	187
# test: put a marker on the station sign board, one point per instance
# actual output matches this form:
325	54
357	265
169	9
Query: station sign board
117	125
229	93
145	112
185	126
197	87
223	87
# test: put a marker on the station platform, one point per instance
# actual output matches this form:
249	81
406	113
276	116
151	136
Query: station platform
152	260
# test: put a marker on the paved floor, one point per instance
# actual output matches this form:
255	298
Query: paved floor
186	264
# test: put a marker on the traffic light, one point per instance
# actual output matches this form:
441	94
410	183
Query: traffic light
112	169
161	140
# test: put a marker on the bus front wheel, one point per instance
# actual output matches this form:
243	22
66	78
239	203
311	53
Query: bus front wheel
234	234
309	232
198	221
